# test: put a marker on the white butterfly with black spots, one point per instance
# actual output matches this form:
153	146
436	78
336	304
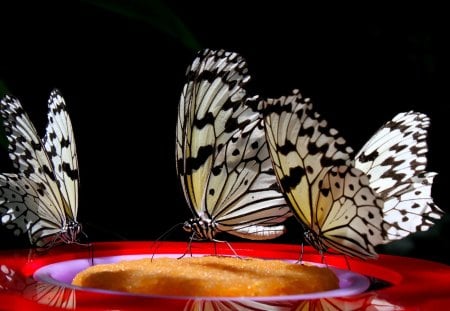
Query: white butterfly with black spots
222	157
41	199
350	205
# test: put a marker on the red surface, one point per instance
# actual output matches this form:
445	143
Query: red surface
416	284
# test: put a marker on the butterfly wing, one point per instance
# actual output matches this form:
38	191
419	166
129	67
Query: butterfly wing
410	208
349	212
395	161
210	96
20	208
25	147
59	143
302	149
311	162
243	195
222	157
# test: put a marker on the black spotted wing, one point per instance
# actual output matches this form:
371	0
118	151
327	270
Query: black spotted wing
331	199
395	160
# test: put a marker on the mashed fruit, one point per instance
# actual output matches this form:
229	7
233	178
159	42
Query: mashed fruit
208	276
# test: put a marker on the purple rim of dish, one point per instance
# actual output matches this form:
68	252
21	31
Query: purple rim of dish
62	274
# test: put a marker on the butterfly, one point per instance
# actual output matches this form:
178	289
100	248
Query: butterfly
222	158
41	199
350	204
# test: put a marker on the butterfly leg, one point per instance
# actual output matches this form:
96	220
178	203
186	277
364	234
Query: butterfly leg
302	249
229	246
188	248
347	262
91	253
324	258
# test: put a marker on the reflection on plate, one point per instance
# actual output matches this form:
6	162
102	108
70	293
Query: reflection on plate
62	274
414	284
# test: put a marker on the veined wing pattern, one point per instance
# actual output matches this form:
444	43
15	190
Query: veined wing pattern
222	157
395	160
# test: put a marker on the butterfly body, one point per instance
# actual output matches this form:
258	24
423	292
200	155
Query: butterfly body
202	227
41	199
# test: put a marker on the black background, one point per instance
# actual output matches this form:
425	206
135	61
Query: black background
121	74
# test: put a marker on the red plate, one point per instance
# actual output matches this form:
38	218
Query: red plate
414	284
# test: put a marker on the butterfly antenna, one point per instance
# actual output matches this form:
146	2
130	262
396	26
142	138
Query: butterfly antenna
156	243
